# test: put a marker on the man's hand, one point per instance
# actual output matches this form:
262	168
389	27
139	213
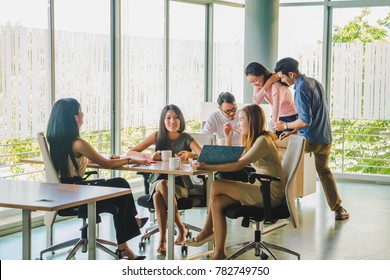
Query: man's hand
280	125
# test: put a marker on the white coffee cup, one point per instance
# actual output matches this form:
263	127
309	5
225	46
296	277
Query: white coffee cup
221	141
174	163
166	154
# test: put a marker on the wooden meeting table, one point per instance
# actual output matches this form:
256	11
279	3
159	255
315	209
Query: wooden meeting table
32	196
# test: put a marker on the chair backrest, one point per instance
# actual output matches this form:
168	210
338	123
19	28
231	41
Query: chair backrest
204	139
291	160
51	173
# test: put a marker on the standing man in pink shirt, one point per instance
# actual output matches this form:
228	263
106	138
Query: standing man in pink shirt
268	87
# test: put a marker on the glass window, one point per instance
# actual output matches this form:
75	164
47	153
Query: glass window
187	58
143	94
82	63
359	89
228	51
25	79
24	82
300	42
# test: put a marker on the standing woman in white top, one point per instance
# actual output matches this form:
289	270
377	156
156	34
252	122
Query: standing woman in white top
227	114
70	155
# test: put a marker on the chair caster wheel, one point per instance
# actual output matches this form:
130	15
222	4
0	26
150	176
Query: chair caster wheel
189	235
184	249
142	246
263	256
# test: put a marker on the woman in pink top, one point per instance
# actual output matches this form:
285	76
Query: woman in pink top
265	86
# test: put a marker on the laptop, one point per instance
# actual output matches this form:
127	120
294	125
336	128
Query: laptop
212	154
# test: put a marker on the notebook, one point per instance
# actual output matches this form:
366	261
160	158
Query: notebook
212	154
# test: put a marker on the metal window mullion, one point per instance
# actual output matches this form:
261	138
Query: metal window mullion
115	58
51	55
327	52
166	51
209	52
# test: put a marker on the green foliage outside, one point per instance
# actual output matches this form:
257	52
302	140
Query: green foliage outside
361	146
359	29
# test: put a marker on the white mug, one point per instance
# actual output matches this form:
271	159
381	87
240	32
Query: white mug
165	155
174	163
221	141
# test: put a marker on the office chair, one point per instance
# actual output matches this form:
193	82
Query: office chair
53	177
260	215
197	197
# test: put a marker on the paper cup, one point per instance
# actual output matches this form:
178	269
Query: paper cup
165	155
174	163
221	141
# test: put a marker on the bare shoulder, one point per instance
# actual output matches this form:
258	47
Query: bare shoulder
80	145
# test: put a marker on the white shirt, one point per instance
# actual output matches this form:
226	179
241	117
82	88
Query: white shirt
215	122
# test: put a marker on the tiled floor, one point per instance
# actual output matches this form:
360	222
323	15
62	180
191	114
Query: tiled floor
364	236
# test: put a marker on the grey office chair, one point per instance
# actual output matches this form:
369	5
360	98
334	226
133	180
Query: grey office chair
49	219
291	160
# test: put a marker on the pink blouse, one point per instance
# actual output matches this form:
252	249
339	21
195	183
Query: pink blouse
280	98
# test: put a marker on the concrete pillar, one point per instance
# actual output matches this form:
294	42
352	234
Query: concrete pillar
261	37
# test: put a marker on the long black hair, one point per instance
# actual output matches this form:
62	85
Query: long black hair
62	130
162	134
258	70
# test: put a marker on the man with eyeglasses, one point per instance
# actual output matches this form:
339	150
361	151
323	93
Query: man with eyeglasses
227	115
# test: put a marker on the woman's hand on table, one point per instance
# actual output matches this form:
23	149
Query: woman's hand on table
140	162
199	166
185	155
156	156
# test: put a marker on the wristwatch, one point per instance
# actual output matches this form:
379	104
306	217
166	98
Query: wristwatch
130	160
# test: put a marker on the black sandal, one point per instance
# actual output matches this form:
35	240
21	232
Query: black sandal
120	257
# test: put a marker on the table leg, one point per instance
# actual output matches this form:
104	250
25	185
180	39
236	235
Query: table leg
210	180
92	231
171	216
26	234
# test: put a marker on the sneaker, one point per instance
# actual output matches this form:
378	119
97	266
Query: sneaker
341	214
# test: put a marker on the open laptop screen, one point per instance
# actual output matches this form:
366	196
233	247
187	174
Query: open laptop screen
220	154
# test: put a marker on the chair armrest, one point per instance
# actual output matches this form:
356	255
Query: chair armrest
265	183
89	173
253	176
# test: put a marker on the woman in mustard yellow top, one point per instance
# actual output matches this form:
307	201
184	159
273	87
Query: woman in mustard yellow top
261	152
